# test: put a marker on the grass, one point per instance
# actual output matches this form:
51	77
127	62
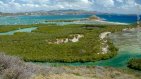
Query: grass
34	46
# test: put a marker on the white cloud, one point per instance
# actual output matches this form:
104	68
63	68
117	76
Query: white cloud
104	3
117	6
129	6
120	6
121	1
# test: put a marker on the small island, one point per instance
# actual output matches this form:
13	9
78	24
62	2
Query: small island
91	18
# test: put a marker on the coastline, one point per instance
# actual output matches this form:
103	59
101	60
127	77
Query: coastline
36	20
102	35
118	23
82	56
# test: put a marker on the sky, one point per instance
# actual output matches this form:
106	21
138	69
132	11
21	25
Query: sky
107	6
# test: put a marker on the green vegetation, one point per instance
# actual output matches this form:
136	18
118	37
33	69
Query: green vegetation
34	46
15	68
135	64
14	27
94	17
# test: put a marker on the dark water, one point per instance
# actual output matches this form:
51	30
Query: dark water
119	18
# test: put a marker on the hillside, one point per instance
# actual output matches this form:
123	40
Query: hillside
16	68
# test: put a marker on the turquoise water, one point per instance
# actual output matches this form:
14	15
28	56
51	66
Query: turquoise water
128	43
129	47
19	30
120	60
24	20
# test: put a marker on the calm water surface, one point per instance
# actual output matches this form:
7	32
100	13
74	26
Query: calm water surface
23	20
129	47
18	30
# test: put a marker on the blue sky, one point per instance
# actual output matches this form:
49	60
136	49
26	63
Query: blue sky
108	6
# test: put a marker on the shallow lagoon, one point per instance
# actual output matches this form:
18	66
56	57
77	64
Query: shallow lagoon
128	43
18	30
129	47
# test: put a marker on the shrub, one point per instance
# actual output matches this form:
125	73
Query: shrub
135	64
15	68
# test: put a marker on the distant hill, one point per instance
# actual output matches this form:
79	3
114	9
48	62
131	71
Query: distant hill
53	12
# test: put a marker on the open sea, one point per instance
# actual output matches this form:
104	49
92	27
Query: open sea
24	20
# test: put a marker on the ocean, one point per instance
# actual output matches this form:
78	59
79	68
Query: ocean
119	18
24	20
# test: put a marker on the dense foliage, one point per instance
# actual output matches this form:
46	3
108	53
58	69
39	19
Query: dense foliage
135	64
34	46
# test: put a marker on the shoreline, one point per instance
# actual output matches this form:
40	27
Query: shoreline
81	52
78	20
114	22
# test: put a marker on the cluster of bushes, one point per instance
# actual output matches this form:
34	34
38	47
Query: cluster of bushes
135	64
16	68
34	46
